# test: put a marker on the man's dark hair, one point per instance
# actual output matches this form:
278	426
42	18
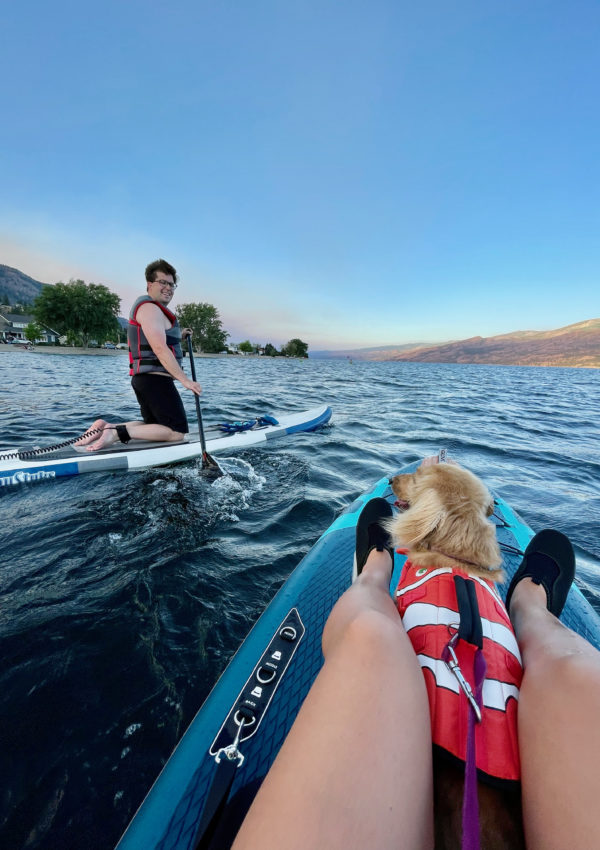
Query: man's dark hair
159	266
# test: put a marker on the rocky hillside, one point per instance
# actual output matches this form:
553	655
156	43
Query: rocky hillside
574	345
381	352
16	287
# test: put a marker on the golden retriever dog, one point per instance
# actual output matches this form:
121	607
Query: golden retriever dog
445	520
444	525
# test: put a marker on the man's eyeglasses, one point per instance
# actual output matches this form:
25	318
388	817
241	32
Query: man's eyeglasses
166	283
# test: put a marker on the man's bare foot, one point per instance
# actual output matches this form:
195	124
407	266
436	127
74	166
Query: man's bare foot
99	436
93	433
106	438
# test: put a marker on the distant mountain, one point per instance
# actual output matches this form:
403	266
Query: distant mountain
18	288
382	352
574	345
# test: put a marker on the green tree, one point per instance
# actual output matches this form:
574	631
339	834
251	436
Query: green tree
204	321
73	338
23	307
89	310
246	346
270	350
295	348
33	331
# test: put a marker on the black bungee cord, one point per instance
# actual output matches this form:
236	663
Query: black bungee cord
29	454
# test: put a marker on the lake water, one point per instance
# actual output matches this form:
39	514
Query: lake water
123	596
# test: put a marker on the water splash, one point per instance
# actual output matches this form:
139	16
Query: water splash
233	492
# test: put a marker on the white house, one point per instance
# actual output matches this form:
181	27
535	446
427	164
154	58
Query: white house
12	326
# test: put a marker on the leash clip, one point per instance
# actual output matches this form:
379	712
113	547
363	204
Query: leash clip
452	664
232	752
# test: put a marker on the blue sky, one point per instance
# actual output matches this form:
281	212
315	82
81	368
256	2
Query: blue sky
355	173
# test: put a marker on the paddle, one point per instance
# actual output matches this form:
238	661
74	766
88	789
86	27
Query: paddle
209	464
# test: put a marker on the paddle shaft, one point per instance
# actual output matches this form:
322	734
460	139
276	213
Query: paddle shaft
196	399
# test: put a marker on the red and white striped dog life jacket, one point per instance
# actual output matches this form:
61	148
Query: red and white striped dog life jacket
426	599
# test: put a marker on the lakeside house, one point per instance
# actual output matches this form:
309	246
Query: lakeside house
234	348
12	326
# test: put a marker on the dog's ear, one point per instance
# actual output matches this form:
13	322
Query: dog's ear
420	520
485	545
475	538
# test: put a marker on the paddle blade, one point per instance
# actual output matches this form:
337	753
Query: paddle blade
210	467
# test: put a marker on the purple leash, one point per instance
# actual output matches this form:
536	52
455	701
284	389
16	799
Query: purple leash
470	812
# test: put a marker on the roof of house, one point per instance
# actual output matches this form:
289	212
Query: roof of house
11	319
18	317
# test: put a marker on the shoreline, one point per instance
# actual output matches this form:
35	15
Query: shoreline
87	352
63	349
113	352
109	352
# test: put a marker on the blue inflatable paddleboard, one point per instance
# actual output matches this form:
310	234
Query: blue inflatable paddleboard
266	682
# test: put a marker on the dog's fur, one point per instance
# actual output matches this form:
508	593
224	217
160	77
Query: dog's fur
445	523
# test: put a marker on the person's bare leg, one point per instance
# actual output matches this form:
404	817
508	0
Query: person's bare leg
355	770
136	430
559	731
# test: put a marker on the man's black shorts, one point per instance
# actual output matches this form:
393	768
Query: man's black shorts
159	401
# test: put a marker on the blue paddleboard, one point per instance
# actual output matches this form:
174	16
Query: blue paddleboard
270	675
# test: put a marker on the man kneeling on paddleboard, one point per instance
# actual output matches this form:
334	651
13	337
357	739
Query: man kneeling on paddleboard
155	357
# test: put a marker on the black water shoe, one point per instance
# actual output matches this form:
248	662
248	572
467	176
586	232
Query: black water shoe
370	534
549	560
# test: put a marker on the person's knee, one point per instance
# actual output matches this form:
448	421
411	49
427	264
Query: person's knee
370	633
576	671
567	674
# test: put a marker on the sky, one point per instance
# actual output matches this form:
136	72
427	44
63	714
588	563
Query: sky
357	173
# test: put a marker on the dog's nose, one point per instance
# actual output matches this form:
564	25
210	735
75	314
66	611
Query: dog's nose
391	479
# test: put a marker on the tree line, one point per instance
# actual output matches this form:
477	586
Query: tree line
208	334
294	348
85	312
80	311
